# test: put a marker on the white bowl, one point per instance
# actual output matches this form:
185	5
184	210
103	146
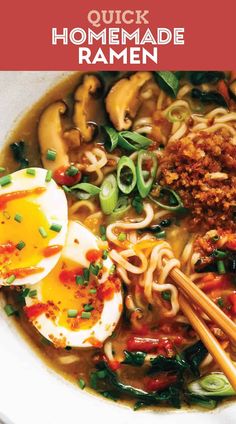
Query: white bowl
30	392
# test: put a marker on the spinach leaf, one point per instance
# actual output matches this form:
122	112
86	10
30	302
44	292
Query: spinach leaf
194	355
202	401
209	97
18	151
161	363
134	358
201	77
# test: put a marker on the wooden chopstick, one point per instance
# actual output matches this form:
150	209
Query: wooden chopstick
209	341
193	292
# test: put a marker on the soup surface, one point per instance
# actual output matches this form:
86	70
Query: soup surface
110	182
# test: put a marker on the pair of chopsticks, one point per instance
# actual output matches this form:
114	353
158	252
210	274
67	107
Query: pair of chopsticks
189	291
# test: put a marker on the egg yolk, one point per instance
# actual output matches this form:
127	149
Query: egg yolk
63	295
21	243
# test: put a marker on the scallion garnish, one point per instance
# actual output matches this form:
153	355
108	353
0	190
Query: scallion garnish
51	155
32	293
2	169
166	295
66	189
126	175
56	227
121	237
108	195
88	307
86	274
18	218
220	302
94	269
31	171
86	315
72	171
5	180
221	267
112	269
72	313
11	279
20	245
105	254
48	176
144	182
93	291
10	310
79	280
81	383
43	232
219	254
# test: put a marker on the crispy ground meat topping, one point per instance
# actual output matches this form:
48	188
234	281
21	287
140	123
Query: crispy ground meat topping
203	172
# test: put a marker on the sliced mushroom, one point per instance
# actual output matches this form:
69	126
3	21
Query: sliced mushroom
124	100
50	133
86	102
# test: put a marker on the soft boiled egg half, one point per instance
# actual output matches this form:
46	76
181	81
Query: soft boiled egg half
80	302
33	226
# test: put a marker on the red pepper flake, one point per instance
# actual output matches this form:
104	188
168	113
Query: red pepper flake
23	272
51	250
5	198
93	255
69	275
8	247
163	345
34	311
114	365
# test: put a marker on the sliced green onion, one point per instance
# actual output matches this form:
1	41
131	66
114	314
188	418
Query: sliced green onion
72	313
80	280
51	155
86	274
56	227
31	171
137	204
122	207
20	245
201	401
88	307
121	237
5	180
10	310
81	383
144	184
86	315
126	175
72	171
220	302
221	267
112	270
108	195
94	269
18	218
111	137
2	169
214	384
166	295
219	254
177	114
48	176
105	254
168	82
32	293
133	141
43	232
87	188
66	189
11	279
178	204
93	291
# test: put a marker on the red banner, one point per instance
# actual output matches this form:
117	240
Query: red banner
174	34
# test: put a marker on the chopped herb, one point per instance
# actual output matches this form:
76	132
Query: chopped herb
48	176
94	269
88	307
220	302
121	237
219	254
134	358
5	180
215	238
79	280
102	229
43	232
24	293
101	374
2	169
109	395
66	189
51	155
86	274
81	383
105	254
31	171
18	151
93	291
160	234
20	245
221	267
137	204
18	218
72	171
10	310
112	269
32	293
166	295
72	313
11	279
56	227
86	315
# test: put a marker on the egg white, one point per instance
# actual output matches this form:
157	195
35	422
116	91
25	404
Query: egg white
53	204
112	309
